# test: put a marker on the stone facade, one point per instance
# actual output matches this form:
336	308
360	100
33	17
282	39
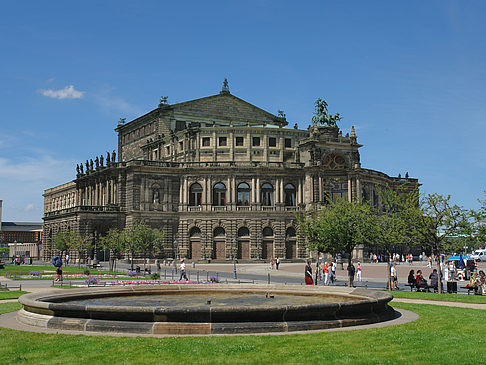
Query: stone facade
219	176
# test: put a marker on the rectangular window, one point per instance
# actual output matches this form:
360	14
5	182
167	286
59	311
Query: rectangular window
272	142
181	146
222	141
256	141
239	141
288	143
206	141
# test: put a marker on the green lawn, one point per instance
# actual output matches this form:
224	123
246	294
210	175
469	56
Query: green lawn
442	335
26	269
441	297
14	294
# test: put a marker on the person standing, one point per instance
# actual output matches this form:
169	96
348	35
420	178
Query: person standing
358	272
351	272
59	273
394	276
183	270
326	273
333	272
308	274
277	263
67	259
272	262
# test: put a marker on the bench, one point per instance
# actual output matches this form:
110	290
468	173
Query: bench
469	289
424	288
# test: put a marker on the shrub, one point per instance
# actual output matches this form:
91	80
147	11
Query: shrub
86	272
131	273
155	276
35	273
214	279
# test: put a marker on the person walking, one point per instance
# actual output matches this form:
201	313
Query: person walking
308	274
333	272
394	276
67	259
351	272
358	272
326	273
183	271
277	263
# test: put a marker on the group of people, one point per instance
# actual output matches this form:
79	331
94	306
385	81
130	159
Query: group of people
420	282
327	273
274	263
478	282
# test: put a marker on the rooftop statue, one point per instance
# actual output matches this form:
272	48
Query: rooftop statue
322	116
163	100
122	121
225	87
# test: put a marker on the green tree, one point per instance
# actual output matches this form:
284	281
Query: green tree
115	241
79	244
437	221
339	226
141	238
62	240
396	219
479	225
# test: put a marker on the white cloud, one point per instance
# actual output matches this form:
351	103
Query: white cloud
30	207
67	93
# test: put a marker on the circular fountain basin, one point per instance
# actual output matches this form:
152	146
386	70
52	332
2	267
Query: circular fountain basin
204	308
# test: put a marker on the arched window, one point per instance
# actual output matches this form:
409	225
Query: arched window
219	232
195	195
267	232
267	195
289	191
243	194
195	232
219	194
243	232
291	232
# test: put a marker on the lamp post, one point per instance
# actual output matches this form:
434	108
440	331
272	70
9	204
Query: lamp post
234	257
203	237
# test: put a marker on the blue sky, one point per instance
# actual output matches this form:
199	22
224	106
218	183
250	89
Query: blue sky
410	75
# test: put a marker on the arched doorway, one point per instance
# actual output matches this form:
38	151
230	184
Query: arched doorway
267	248
195	243
243	244
290	243
219	244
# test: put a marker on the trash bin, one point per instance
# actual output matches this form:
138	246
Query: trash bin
451	287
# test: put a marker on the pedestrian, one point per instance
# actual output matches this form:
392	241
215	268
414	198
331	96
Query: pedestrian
59	273
67	259
358	272
183	271
157	263
333	272
272	262
351	272
326	273
394	276
308	274
277	263
318	271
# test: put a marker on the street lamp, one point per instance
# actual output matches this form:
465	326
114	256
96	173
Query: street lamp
203	236
233	246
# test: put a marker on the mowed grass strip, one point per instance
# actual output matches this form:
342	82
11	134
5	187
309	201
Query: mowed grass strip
442	335
440	297
26	269
14	294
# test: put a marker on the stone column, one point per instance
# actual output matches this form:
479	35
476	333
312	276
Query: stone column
282	191
184	191
320	189
253	191
258	190
358	189
349	189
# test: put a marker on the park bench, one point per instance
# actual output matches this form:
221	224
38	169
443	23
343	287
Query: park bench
421	288
470	289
